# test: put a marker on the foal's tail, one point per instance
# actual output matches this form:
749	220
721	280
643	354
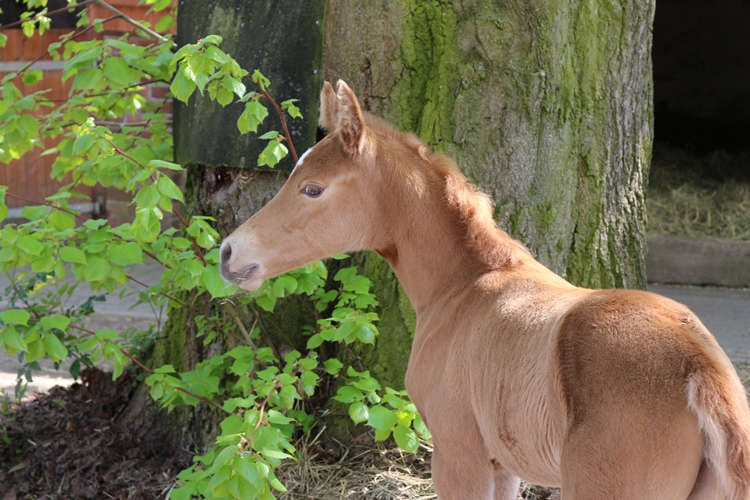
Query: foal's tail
718	399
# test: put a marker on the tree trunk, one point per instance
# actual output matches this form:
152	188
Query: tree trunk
282	39
546	105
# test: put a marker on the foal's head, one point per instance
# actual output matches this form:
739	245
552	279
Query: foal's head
327	206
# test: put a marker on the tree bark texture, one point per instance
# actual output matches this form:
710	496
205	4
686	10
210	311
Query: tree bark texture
282	39
547	105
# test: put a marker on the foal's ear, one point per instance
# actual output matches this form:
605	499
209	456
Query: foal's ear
328	108
351	124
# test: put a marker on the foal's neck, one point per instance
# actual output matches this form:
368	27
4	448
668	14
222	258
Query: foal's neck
445	237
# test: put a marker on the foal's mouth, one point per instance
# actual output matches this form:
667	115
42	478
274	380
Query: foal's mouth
237	277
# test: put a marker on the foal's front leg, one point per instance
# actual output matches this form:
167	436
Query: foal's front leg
465	472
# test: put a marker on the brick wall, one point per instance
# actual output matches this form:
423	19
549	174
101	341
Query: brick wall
28	178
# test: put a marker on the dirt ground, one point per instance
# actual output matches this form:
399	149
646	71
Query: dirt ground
65	444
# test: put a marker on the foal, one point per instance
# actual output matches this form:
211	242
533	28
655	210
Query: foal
517	373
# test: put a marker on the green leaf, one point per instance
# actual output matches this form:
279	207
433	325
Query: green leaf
106	334
233	85
126	254
212	39
32	76
219	478
3	39
182	87
15	317
366	333
164	23
88	344
88	79
164	164
314	341
274	453
72	254
62	220
12	339
290	108
118	72
217	55
223	96
215	283
260	79
273	153
56	350
30	245
284	284
406	438
359	412
271	134
333	366
97	268
381	418
83	144
147	197
34	212
254	473
348	394
168	188
56	321
251	117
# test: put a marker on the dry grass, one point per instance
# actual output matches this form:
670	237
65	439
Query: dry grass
699	197
365	470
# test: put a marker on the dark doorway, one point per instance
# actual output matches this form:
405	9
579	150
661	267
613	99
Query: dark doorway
701	57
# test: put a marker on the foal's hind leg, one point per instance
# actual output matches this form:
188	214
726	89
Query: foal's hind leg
463	473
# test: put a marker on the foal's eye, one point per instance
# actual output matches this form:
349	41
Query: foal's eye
312	191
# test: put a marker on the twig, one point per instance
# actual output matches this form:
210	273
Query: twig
151	372
51	13
132	21
283	123
229	307
47	204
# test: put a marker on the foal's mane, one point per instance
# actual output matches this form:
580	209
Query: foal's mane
470	208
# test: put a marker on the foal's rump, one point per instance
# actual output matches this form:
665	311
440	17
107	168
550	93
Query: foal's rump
647	363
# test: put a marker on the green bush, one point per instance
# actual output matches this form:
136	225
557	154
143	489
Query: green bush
258	393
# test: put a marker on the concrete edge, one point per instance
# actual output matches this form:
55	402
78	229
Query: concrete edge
693	261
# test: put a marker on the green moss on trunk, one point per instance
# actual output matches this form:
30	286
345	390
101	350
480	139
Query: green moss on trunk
388	358
547	106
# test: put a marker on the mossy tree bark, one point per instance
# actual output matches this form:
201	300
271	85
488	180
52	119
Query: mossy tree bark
546	105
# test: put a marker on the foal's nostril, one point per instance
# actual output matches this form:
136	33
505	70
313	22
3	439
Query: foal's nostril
225	253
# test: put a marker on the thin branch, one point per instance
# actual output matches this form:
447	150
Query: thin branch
51	13
47	204
181	389
283	124
229	307
67	39
151	372
123	153
113	91
132	21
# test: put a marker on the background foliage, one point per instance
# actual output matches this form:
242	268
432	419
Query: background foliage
262	394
